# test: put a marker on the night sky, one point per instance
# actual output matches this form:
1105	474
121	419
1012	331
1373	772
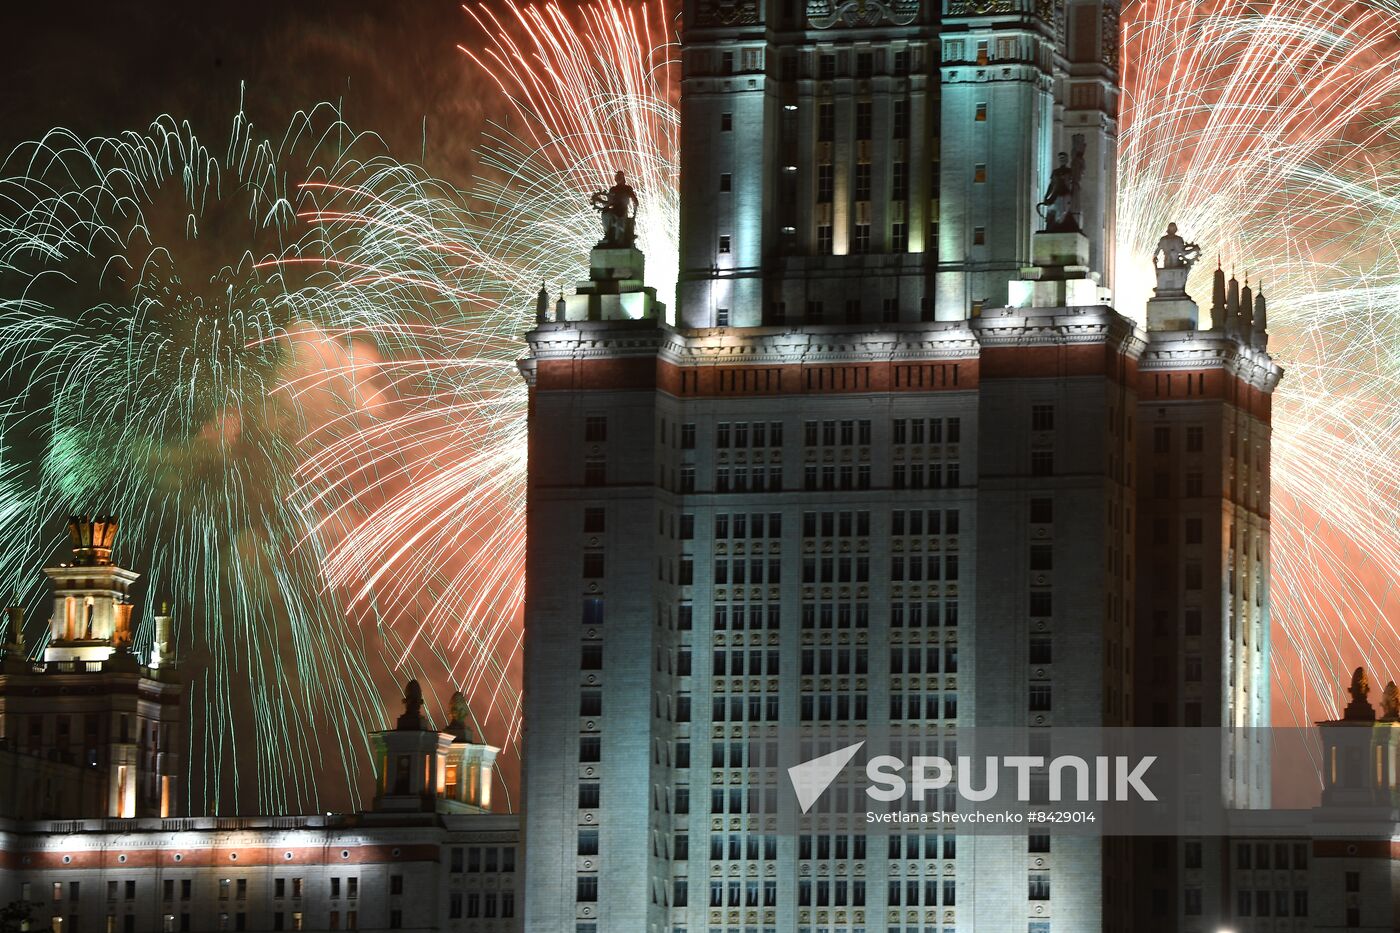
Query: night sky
98	68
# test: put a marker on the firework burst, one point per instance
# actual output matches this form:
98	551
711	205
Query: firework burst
1269	133
154	312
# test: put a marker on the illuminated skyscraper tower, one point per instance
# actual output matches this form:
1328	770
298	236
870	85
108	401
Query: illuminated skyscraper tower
884	472
878	162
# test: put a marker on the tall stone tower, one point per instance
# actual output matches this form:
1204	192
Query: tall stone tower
879	162
108	719
885	475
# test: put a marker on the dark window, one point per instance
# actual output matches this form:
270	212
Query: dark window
862	181
726	181
726	122
1042	512
863	119
899	184
593	564
1042	417
1042	557
591	657
826	182
595	429
594	520
826	121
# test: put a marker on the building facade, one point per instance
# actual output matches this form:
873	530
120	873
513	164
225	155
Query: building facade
94	835
899	467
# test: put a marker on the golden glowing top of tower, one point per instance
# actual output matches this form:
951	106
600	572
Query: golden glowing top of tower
92	539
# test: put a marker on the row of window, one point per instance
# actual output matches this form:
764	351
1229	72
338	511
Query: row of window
487	904
926	476
237	888
928	567
751	847
486	859
924	660
927	431
752	571
748	479
919	614
924	706
743	434
839	615
751	525
281	920
924	522
1271	903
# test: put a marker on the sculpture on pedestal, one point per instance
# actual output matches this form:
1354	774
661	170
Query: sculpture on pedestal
1060	206
412	717
619	227
1360	706
1176	253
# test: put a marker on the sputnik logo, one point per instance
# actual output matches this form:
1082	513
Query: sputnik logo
811	778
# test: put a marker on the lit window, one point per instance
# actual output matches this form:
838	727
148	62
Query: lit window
979	236
979	172
981	114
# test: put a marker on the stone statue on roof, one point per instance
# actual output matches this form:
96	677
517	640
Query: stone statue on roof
412	717
1175	252
619	226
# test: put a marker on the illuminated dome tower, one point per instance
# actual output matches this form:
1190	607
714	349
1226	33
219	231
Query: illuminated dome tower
105	719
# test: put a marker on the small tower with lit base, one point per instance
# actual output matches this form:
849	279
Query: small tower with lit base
106	720
421	770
